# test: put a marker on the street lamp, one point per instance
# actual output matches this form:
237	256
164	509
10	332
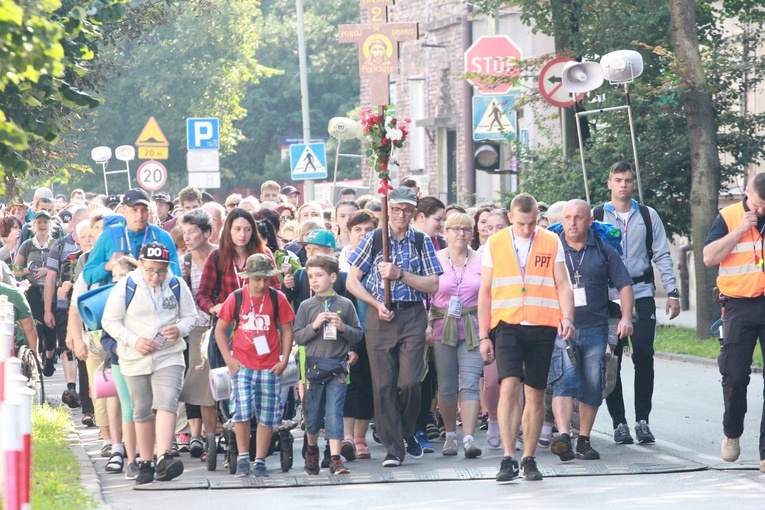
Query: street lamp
343	128
619	68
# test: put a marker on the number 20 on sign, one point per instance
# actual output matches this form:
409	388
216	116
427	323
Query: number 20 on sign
152	152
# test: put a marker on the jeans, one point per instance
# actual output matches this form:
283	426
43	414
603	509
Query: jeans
324	403
585	379
642	357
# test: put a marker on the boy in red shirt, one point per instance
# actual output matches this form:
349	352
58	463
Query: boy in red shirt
256	366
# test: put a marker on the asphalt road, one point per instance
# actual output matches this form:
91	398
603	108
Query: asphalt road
686	421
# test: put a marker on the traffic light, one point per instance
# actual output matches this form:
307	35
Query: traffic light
486	156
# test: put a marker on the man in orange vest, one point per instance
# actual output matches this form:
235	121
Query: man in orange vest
525	299
736	243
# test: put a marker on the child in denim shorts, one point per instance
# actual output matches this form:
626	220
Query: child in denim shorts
258	360
327	325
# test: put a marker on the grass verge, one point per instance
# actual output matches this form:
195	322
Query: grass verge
683	341
55	470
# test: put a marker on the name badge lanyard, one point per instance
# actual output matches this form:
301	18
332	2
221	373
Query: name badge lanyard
522	266
143	242
157	308
458	281
758	257
239	281
252	305
328	302
577	276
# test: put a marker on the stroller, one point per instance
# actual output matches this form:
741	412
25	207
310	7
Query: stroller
282	440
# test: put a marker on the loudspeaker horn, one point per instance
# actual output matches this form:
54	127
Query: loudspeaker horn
579	77
622	66
343	128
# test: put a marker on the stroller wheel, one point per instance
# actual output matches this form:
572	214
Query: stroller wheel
285	453
212	452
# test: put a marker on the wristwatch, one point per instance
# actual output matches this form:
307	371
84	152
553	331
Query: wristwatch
674	294
400	274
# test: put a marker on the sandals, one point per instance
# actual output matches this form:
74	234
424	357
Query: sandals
116	463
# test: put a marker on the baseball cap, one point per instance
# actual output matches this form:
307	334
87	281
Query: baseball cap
155	251
161	196
42	214
402	195
112	200
136	196
43	193
321	237
289	190
259	265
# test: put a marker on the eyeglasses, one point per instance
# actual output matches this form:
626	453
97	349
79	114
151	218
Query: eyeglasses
401	211
233	204
286	218
155	272
460	230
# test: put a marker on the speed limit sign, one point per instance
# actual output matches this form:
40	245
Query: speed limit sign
152	175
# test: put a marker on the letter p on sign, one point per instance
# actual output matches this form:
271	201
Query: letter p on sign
202	134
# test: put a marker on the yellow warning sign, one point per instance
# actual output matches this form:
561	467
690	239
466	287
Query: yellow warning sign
151	135
152	152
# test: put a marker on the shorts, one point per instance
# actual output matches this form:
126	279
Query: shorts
257	394
586	379
524	352
157	391
324	407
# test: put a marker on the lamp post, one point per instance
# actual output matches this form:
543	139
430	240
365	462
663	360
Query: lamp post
619	68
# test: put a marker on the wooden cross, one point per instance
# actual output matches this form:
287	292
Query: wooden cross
378	46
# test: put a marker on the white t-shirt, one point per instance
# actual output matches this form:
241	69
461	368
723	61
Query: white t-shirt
522	247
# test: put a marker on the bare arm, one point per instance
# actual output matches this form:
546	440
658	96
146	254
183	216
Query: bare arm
565	298
426	284
48	291
484	311
716	251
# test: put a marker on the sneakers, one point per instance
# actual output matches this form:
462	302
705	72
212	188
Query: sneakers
242	467
584	450
422	438
88	421
483	422
731	449
326	459
494	440
183	442
432	431
168	468
312	460
70	398
145	473
195	448
413	448
529	469
260	469
347	450
450	447
336	466
622	434
362	451
508	470
377	439
643	433
132	470
561	446
471	450
49	368
391	461
106	450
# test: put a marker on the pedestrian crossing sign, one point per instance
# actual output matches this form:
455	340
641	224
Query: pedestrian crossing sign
493	117
308	161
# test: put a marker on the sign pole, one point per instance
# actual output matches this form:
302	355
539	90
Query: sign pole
309	183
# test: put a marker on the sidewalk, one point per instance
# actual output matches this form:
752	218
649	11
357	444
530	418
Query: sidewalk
686	319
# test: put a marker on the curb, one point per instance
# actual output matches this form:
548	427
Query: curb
89	480
698	360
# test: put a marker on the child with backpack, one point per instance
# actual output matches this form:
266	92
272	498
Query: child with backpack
149	313
255	364
327	325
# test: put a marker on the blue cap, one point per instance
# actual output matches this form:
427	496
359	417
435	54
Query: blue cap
321	237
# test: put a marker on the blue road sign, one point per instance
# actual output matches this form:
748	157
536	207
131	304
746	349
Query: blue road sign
202	134
308	161
493	117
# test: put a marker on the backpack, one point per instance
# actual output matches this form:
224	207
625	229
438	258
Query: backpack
175	286
647	277
213	352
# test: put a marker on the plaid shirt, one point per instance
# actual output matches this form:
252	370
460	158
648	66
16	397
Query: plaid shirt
402	254
229	282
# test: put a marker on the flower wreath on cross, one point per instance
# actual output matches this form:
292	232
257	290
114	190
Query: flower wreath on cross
383	134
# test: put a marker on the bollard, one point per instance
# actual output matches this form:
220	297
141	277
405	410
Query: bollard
26	398
6	345
12	454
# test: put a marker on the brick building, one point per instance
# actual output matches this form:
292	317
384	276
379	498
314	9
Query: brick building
430	90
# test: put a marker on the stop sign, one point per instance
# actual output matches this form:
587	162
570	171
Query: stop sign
488	56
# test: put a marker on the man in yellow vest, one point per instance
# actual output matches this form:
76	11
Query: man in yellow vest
736	243
525	299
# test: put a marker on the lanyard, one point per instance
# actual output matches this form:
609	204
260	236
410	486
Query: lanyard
458	281
239	281
129	247
328	302
518	256
161	308
577	276
759	257
252	304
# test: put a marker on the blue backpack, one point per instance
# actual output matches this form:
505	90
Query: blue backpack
175	286
605	231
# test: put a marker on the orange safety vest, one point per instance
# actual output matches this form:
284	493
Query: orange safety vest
533	298
741	273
